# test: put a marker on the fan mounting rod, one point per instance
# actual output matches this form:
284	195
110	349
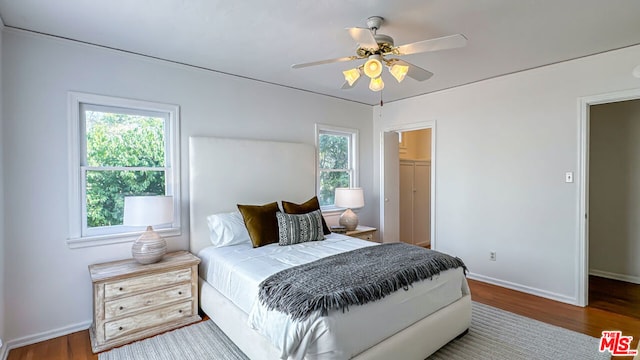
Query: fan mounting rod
374	23
385	42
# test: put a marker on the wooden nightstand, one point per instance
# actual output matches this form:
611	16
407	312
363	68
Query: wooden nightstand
132	301
363	232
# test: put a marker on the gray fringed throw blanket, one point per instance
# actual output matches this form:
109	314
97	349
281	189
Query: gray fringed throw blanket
351	278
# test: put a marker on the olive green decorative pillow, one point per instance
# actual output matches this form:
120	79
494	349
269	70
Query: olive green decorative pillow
261	223
306	207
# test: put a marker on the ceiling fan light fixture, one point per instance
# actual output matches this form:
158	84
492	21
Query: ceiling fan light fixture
373	67
351	75
376	84
399	71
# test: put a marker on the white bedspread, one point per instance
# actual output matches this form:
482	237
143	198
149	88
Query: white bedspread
236	272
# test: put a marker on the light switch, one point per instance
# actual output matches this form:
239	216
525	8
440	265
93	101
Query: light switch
568	177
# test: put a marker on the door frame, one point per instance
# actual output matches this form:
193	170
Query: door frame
429	124
582	263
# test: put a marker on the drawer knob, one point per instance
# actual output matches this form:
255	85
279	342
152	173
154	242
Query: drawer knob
121	289
121	308
179	292
180	311
120	328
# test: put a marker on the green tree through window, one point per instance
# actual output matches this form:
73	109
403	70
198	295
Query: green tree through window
334	165
125	156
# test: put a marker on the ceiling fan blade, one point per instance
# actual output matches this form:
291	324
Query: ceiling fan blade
441	43
364	37
415	72
322	62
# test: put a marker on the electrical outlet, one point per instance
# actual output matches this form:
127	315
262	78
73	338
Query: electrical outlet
492	256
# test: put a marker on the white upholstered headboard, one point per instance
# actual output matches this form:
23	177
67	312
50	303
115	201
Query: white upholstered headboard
225	172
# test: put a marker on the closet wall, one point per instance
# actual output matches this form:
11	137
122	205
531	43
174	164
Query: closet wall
415	187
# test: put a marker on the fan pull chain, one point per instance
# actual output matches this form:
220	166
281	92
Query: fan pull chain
381	103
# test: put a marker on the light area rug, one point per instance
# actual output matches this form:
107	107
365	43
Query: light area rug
494	334
201	341
498	334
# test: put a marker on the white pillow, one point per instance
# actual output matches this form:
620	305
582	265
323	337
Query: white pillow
226	229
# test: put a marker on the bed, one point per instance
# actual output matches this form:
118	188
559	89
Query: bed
402	325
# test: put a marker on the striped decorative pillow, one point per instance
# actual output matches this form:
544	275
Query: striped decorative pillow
299	228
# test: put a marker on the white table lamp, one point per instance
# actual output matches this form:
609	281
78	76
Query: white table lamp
349	198
147	211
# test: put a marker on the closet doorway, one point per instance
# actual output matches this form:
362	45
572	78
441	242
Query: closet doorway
614	234
608	203
415	187
409	144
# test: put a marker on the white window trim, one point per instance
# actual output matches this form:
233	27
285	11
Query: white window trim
76	213
353	154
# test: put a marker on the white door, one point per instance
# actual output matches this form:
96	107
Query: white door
391	186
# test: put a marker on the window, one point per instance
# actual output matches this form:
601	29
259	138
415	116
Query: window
119	148
337	160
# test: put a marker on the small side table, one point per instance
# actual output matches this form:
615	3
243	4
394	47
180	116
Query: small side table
132	301
363	232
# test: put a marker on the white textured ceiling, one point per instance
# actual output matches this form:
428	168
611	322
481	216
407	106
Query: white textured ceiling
260	39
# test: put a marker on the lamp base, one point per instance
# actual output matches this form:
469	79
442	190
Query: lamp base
349	220
149	248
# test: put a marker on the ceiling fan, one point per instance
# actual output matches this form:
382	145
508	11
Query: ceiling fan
379	50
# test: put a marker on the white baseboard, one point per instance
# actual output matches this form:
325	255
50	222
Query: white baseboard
45	335
614	276
525	289
4	352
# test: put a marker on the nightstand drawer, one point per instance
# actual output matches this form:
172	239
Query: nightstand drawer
363	232
143	283
131	304
368	237
145	320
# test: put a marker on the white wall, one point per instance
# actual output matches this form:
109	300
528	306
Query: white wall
502	148
614	190
2	242
49	284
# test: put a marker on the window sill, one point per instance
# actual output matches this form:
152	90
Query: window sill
335	210
91	241
332	210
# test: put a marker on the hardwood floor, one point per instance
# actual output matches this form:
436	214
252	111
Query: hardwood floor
607	313
589	320
76	346
615	296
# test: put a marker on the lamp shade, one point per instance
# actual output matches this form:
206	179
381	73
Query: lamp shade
351	76
376	84
373	66
148	210
399	71
351	198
